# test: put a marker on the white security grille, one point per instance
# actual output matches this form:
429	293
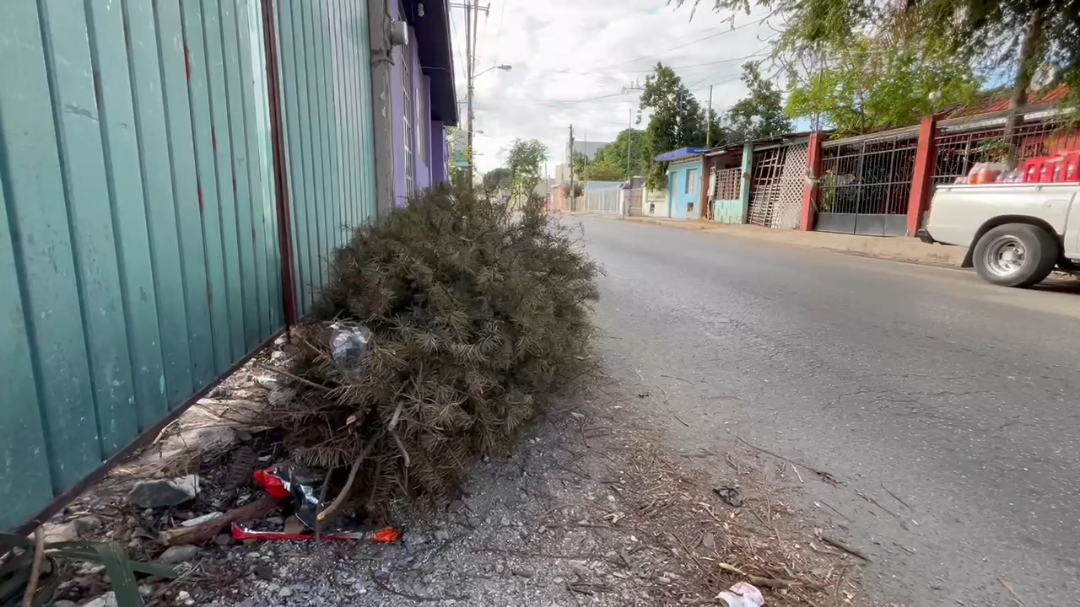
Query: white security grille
777	186
790	189
605	202
726	185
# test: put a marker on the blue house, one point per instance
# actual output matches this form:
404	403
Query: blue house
684	182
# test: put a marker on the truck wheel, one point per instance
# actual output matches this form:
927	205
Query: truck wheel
1015	255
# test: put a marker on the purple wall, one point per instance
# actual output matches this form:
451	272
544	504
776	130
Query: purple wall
429	168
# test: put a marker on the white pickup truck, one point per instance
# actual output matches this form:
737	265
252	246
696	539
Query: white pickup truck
1017	233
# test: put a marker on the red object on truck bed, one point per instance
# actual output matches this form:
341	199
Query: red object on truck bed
1061	168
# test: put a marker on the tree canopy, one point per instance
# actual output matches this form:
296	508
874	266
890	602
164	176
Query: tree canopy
878	62
614	155
871	87
496	179
761	113
676	121
525	162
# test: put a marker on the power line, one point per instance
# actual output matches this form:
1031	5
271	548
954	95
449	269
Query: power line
685	44
653	69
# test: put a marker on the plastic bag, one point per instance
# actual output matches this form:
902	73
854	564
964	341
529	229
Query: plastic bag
349	343
741	595
986	172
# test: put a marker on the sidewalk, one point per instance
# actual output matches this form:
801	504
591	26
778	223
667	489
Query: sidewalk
908	250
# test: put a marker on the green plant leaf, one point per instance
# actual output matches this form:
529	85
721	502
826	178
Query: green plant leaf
46	591
10	540
12	588
87	551
24	560
118	567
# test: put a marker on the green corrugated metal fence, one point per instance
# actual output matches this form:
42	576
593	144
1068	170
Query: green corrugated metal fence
138	225
326	74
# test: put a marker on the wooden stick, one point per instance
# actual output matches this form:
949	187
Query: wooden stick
835	543
825	476
35	568
205	532
306	382
334	506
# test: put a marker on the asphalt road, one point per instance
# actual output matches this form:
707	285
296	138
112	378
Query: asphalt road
959	397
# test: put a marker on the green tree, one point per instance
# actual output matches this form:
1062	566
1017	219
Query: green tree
526	161
580	162
1025	37
496	179
676	120
870	87
603	171
761	113
614	155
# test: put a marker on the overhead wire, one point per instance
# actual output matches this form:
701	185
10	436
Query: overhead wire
684	45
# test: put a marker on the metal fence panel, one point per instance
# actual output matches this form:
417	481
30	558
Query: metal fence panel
605	202
866	184
326	74
133	213
960	144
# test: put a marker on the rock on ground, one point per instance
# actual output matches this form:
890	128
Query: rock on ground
162	493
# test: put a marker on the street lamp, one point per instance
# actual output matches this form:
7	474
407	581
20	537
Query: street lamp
504	67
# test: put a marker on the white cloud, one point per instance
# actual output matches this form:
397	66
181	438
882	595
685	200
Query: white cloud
567	50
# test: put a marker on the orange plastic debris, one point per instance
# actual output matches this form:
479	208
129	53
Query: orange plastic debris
386	536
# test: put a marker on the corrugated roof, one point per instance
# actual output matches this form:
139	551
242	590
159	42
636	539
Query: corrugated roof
999	102
679	154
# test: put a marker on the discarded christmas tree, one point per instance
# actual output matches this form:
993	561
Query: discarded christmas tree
474	318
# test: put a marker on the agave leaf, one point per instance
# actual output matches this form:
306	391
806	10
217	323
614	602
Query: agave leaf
118	566
10	540
46	591
86	551
12	588
20	561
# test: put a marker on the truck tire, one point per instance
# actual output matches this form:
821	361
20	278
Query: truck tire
1015	255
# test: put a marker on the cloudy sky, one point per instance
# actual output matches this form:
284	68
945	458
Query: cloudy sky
572	58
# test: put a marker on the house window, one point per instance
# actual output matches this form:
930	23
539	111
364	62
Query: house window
425	123
692	180
408	117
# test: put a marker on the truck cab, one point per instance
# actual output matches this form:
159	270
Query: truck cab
1016	233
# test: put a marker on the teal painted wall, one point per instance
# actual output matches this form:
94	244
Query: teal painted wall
138	232
330	139
685	202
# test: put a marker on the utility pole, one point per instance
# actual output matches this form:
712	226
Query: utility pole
634	86
571	150
469	91
472	16
708	121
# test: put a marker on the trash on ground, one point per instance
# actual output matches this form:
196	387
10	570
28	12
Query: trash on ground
349	342
292	481
741	595
164	493
388	535
732	496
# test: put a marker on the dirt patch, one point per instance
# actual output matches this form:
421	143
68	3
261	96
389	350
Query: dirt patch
593	509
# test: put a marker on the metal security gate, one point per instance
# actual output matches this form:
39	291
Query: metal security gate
866	184
963	142
777	184
634	200
604	202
